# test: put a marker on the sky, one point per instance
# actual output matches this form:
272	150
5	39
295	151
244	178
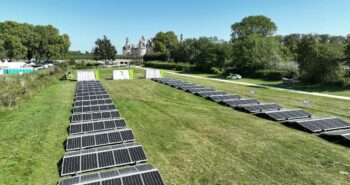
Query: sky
86	20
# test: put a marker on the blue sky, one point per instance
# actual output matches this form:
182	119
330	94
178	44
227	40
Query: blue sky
86	20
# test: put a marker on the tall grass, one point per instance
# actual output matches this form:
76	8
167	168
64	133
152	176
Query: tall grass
16	88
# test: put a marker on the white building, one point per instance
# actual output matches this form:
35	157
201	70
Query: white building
140	49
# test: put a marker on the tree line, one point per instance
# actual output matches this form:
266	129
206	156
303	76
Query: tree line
27	41
255	48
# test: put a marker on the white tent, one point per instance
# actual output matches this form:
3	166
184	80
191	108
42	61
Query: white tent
86	75
121	75
152	73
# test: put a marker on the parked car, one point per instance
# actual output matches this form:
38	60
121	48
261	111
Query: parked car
234	77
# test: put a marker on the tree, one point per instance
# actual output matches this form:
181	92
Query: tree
39	41
12	47
255	52
347	50
104	50
319	62
164	42
291	43
258	25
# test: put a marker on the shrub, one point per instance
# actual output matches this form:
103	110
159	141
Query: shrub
16	88
186	67
273	74
156	57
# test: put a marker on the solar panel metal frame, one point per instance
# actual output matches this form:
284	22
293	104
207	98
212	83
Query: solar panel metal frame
280	115
95	126
76	142
75	162
259	108
316	125
110	175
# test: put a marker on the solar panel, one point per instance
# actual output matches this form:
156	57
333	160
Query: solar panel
77	142
91	97
338	134
93	102
90	93
260	107
96	126
102	157
187	88
94	116
319	124
197	90
148	175
282	115
94	108
206	94
220	98
240	102
184	85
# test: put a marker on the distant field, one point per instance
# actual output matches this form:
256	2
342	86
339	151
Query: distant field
191	140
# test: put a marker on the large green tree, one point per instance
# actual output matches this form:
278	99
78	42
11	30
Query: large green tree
104	50
258	25
12	47
164	42
255	52
319	62
254	46
40	41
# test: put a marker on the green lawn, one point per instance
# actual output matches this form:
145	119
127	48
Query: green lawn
191	140
341	91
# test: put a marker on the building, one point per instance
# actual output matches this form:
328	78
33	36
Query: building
140	49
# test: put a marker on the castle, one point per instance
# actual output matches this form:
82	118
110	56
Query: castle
138	50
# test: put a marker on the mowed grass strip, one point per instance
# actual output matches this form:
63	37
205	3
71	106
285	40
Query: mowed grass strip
195	141
32	137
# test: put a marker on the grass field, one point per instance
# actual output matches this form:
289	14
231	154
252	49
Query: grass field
191	140
340	91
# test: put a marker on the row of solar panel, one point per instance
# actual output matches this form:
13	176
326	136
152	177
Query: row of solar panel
144	174
295	118
98	139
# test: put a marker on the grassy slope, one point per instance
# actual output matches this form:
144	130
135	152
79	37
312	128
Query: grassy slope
194	141
31	137
191	140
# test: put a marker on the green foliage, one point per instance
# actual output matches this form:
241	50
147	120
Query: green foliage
29	41
156	56
104	50
319	62
255	52
170	65
258	25
164	42
16	88
274	74
12	47
204	53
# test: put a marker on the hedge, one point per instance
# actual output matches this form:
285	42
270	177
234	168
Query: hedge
272	74
16	88
186	67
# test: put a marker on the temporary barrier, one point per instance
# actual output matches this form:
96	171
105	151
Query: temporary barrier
121	75
152	73
86	75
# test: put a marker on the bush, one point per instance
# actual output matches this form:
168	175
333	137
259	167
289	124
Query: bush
273	74
186	67
156	57
16	88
